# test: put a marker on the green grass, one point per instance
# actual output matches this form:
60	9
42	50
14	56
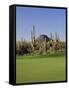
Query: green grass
40	68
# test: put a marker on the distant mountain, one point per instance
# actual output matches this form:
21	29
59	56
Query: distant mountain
42	37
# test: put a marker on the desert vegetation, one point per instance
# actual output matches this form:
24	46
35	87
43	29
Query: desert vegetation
41	45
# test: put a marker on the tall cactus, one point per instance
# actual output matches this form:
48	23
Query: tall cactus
51	36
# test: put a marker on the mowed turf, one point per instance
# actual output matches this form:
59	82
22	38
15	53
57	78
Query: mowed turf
30	69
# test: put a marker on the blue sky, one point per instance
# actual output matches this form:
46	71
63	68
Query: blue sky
46	20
